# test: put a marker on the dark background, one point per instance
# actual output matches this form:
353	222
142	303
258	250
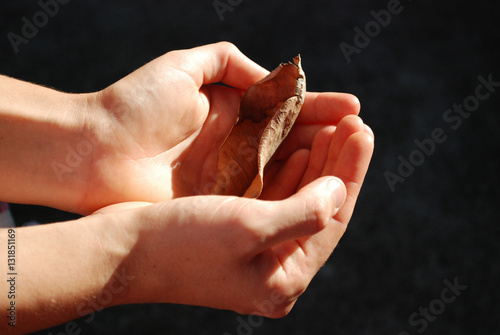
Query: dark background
401	245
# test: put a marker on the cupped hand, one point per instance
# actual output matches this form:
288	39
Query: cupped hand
158	129
253	256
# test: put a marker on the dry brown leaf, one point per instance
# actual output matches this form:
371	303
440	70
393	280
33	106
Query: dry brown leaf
267	113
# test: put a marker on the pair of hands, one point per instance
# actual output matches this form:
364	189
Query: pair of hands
158	134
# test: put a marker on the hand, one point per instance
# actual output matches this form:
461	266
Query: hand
251	256
159	128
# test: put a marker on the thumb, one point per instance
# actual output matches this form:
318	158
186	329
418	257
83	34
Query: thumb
306	212
219	62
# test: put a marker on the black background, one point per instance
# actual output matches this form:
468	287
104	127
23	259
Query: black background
401	245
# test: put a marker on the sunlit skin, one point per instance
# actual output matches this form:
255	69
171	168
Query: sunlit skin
154	137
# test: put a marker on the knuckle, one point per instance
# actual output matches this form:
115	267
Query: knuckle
258	224
227	46
251	239
321	212
249	235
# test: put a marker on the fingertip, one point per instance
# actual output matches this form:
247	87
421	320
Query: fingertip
354	103
370	132
359	145
352	122
367	137
349	125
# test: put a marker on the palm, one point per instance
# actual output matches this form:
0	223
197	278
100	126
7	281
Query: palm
174	159
165	147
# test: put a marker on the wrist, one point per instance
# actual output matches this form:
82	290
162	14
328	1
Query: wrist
46	141
132	276
117	241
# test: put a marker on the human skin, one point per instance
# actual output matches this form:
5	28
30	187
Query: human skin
147	149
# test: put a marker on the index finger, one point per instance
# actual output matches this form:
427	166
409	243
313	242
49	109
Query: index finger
328	108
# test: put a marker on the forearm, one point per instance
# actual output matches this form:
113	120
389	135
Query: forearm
45	145
62	271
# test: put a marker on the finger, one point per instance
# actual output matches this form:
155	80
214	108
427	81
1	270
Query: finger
303	214
327	108
327	146
369	131
219	62
301	137
351	166
349	125
319	154
283	182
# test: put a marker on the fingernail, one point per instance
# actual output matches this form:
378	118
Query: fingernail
336	186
